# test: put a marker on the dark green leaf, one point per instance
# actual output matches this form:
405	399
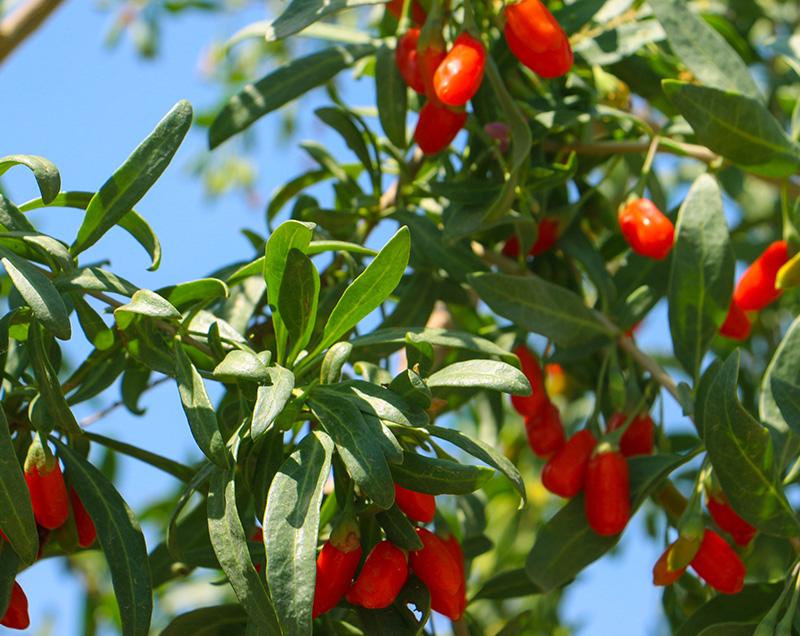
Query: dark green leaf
94	327
302	13
9	565
47	177
241	364
409	384
392	97
12	218
730	629
342	122
384	404
297	302
388	442
358	448
39	293
16	513
398	619
577	245
94	279
439	476
335	358
399	530
485	374
230	545
787	397
703	50
613	45
220	620
199	409
282	86
292	520
737	127
750	604
120	537
134	177
701	277
203	290
147	303
169	466
271	399
541	307
576	15
740	450
39	247
509	584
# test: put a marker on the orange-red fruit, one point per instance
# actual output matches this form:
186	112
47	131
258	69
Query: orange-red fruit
48	496
545	431
638	438
383	575
607	496
646	229
536	39
406	58
718	564
418	15
434	564
549	231
451	605
16	616
565	473
417	506
533	403
548	64
727	519
437	126
335	570
460	73
756	287
662	575
86	530
737	324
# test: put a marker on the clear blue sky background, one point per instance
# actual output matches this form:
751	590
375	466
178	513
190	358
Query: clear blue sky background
85	108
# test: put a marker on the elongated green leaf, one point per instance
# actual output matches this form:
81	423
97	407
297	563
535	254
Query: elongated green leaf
220	620
701	278
541	307
175	543
369	290
392	97
292	517
184	295
13	219
388	442
615	44
148	303
302	13
334	360
298	299
485	374
16	513
282	86
49	384
399	619
47	177
399	530
9	566
787	397
343	123
358	448
271	399
508	584
439	476
132	223
39	293
318	247
199	409
382	403
737	127
750	604
482	451
120	537
230	545
241	364
566	544
169	466
740	450
94	279
94	327
38	247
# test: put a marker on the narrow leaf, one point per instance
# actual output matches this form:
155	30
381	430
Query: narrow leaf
149	303
16	513
485	374
302	13
787	397
342	122
47	177
508	584
392	97
271	400
220	620
382	403
179	471
298	299
439	476
94	279
399	530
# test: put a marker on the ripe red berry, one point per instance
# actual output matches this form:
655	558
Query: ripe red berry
418	15
548	64
646	229
607	492
718	564
756	287
48	496
460	73
536	39
565	472
437	126
638	438
737	324
16	616
86	530
417	506
549	231
335	570
662	575
406	58
434	564
545	431
382	576
727	519
533	403
451	605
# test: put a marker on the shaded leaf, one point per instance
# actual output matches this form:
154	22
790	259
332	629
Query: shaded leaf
382	403
398	619
186	294
302	13
16	512
750	604
47	177
220	620
392	96
271	399
509	584
439	476
298	299
399	530
94	279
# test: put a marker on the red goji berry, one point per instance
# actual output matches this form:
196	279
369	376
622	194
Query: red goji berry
382	576
434	564
16	616
335	570
528	405
756	287
737	324
87	533
545	431
437	126
548	64
451	605
460	73
607	492
647	231
417	506
533	23
662	575
48	496
418	15
565	472
549	231
432	50
406	58
638	438
727	519
718	564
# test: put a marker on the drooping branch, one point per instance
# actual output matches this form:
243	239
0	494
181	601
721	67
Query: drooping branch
23	21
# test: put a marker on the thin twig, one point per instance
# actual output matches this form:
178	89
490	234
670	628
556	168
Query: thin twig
23	21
